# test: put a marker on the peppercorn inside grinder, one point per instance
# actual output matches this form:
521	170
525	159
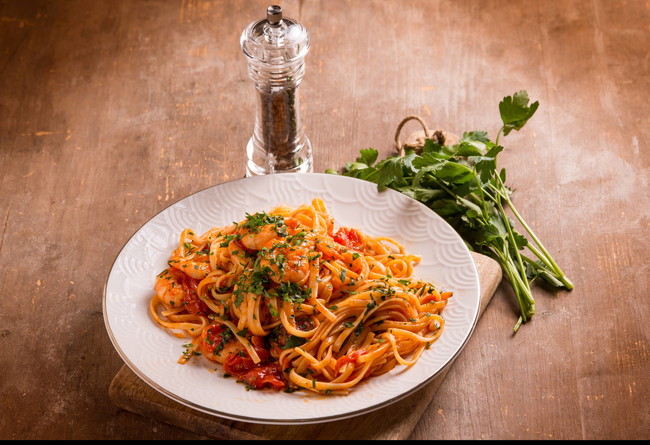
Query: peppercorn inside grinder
276	48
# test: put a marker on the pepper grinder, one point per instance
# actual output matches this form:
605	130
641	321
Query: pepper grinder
276	48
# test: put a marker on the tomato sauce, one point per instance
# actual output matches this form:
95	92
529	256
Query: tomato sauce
350	358
238	363
192	302
265	374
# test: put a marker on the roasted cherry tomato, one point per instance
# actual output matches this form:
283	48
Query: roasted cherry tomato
348	237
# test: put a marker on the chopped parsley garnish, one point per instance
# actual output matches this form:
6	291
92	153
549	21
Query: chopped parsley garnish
292	292
294	341
228	239
254	223
297	239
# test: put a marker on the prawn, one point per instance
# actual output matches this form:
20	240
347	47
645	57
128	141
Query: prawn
169	288
195	269
218	343
287	264
258	240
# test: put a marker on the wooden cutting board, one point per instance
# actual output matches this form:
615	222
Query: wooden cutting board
129	392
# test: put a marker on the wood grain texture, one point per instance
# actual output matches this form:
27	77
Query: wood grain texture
129	392
112	110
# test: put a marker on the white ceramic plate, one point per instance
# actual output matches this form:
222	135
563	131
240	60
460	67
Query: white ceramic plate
152	353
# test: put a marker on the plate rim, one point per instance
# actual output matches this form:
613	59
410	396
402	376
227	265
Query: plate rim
294	421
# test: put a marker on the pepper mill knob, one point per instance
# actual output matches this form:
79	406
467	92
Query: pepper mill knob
274	15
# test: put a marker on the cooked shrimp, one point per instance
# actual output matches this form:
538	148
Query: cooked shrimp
218	343
287	264
259	239
169	288
192	267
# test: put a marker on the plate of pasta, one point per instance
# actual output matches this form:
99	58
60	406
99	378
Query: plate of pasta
291	298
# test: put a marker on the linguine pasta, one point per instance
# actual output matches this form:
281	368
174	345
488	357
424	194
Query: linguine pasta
288	301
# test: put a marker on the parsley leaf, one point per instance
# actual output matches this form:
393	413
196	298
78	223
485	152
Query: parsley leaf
515	111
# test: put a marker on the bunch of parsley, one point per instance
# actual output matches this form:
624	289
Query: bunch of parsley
463	185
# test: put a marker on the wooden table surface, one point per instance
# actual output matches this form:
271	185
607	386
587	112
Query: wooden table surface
110	111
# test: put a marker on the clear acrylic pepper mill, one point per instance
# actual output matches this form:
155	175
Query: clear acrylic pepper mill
276	48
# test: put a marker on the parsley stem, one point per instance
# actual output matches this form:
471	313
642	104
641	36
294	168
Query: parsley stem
542	253
557	272
515	248
520	286
496	141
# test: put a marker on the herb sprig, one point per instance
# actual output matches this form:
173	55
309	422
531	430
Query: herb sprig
463	184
